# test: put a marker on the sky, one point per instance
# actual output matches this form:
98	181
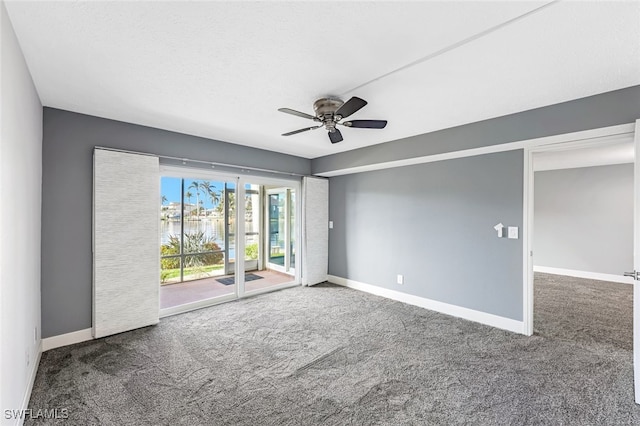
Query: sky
170	188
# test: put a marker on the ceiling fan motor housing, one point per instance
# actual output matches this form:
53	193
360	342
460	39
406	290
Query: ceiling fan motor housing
325	109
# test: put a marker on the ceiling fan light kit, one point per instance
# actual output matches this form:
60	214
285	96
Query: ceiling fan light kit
329	112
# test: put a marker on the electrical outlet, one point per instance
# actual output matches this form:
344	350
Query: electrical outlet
513	232
400	279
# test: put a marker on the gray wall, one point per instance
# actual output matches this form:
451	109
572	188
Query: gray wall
607	109
583	219
433	223
68	142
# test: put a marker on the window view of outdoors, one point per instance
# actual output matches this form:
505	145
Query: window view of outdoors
198	241
282	228
252	226
201	245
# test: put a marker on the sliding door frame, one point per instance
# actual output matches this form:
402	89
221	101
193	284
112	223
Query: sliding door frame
203	174
239	230
286	267
296	185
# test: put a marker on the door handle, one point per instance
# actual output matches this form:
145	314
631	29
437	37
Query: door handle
635	275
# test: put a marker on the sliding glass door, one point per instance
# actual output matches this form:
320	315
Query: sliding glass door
253	227
197	240
270	252
281	238
215	227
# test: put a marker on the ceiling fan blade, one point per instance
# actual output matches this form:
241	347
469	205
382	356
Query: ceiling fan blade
300	130
366	124
352	105
298	113
335	136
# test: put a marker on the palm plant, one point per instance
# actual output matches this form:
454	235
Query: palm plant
194	185
188	195
232	203
210	190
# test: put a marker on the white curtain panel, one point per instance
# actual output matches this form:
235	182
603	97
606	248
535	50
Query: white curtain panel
126	242
315	231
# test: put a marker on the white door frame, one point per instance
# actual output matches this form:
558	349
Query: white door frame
296	186
592	138
527	235
286	190
636	264
211	175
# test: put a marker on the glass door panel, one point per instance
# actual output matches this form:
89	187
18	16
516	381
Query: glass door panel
273	242
197	241
229	214
171	231
281	254
265	228
276	229
252	220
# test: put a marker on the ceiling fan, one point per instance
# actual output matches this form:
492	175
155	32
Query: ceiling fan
330	112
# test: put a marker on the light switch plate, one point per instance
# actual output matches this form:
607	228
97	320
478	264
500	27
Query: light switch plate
330	224
513	232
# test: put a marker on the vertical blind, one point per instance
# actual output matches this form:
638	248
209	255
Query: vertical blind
315	232
126	242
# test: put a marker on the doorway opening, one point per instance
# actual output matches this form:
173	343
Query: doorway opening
580	216
583	242
565	149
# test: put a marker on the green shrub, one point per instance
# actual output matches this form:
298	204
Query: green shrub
172	247
193	243
251	251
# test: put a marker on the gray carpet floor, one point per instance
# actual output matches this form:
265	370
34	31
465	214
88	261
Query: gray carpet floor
335	356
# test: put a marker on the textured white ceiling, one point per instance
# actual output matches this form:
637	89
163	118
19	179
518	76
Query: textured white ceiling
221	69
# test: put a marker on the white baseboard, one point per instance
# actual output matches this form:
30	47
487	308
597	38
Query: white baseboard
32	379
584	274
66	339
445	308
